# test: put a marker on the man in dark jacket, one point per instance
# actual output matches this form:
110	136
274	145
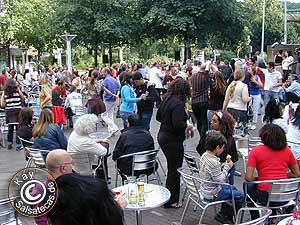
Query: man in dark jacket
145	108
132	139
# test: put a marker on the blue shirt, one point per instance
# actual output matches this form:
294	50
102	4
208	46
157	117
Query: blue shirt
254	89
128	99
294	88
111	84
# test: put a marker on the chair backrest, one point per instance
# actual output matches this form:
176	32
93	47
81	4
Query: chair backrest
191	161
144	160
82	163
189	181
25	143
37	157
79	111
284	191
264	212
7	213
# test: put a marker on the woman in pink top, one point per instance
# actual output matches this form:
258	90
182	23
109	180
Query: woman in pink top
272	160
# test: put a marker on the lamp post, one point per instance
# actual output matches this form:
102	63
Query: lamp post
68	38
263	28
285	23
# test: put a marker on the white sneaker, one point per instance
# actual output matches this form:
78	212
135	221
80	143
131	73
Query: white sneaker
253	127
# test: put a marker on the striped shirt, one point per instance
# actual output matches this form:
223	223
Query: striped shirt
200	86
13	102
210	169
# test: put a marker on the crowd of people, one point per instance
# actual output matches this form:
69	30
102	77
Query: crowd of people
218	99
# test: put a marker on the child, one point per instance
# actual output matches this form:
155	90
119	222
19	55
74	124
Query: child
212	170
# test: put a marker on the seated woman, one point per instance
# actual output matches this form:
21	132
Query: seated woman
272	160
274	114
212	170
25	125
80	142
48	135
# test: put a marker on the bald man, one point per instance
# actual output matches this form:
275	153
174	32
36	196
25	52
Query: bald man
59	162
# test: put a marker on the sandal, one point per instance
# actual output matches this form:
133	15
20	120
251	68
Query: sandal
173	206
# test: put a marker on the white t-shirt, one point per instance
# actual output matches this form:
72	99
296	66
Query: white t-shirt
271	79
286	62
74	99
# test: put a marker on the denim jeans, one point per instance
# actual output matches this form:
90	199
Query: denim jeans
231	175
225	194
146	118
10	135
270	95
124	116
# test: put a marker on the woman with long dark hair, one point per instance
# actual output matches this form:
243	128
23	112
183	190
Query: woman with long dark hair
25	124
11	99
172	133
273	160
273	114
217	92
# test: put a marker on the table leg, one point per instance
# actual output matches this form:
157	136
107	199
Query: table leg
138	217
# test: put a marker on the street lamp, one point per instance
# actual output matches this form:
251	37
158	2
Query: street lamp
285	23
68	38
263	28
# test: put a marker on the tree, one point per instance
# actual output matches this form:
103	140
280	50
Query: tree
97	22
252	11
192	20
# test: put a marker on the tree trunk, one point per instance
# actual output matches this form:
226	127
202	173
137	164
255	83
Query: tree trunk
187	49
96	56
8	55
110	55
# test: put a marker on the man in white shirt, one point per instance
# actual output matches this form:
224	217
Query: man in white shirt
74	101
292	89
273	82
155	76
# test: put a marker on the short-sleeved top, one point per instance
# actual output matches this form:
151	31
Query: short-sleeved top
271	78
270	164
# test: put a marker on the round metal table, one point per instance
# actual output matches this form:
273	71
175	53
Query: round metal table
100	135
155	196
284	221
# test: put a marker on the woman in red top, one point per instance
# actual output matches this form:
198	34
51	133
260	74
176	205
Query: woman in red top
272	160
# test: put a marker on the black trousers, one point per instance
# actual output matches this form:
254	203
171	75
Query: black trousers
292	97
200	111
173	151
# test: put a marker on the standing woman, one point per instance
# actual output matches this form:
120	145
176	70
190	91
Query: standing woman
216	98
171	135
45	94
237	97
11	99
128	98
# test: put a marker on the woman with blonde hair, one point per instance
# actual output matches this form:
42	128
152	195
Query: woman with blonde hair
217	92
45	94
48	135
237	97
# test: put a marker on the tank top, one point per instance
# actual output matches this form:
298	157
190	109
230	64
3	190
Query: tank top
236	101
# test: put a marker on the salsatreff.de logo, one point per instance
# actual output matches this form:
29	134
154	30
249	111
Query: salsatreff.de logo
33	192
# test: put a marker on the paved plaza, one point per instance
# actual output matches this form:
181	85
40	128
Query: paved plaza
11	161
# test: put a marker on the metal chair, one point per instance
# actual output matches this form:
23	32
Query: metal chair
192	163
25	142
83	164
140	161
7	213
284	192
192	183
36	157
262	220
244	146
